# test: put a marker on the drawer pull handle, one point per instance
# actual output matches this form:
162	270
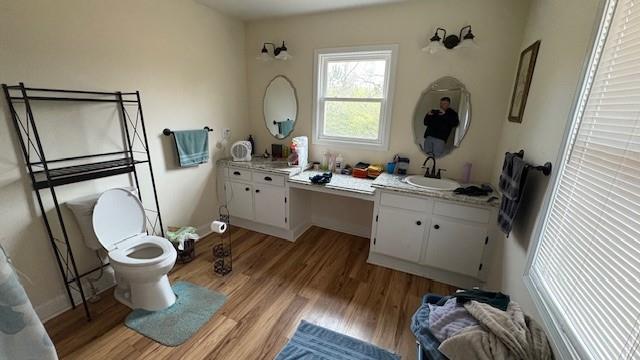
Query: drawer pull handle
436	226
246	189
257	190
268	178
418	222
236	173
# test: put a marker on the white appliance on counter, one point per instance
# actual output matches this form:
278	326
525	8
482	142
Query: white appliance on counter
241	151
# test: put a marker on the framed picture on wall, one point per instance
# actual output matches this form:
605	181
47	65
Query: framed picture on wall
523	81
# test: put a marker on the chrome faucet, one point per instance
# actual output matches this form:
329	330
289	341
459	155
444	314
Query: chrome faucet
431	172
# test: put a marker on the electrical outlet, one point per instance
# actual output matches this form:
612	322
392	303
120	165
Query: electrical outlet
226	133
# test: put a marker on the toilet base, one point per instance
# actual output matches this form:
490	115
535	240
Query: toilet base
151	296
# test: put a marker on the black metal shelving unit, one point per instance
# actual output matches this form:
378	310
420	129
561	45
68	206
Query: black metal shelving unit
47	174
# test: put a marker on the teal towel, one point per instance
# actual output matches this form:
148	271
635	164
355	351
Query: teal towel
192	147
285	127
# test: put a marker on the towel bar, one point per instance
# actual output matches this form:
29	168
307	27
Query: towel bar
167	131
546	168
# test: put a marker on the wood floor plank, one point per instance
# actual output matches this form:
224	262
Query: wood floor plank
322	278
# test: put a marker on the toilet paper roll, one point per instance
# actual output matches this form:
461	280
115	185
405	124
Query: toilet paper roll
218	227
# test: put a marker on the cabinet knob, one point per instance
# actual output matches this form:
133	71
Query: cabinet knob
268	178
246	189
436	226
236	173
418	222
257	190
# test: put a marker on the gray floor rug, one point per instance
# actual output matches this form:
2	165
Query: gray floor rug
173	326
315	342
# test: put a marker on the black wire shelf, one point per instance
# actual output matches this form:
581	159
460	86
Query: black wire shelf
47	174
78	173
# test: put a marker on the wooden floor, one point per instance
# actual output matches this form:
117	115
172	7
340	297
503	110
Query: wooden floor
322	278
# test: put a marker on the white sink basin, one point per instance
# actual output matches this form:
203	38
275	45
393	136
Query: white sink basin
432	184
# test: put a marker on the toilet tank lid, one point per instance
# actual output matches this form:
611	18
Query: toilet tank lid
117	216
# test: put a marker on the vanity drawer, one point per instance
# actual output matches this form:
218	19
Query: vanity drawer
463	212
239	174
405	202
268	178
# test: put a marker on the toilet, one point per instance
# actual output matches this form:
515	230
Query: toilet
140	261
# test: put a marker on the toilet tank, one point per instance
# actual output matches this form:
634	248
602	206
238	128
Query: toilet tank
82	209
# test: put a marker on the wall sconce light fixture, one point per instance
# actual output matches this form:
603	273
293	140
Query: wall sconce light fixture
438	43
279	52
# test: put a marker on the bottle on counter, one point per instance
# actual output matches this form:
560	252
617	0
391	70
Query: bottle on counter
292	159
253	144
339	164
326	155
332	162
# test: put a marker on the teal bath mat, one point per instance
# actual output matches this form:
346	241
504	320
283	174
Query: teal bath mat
194	306
315	342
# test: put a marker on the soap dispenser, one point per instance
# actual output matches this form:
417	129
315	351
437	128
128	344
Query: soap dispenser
339	164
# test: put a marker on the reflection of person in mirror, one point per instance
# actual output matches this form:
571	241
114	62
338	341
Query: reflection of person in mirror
439	123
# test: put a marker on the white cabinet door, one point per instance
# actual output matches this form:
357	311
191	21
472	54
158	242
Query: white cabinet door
400	233
456	246
239	199
270	205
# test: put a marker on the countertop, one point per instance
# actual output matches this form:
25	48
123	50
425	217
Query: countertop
262	164
338	182
388	182
396	183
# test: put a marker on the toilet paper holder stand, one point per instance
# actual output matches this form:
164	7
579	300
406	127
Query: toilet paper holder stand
222	257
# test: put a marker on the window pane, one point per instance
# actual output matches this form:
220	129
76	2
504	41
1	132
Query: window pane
352	119
355	79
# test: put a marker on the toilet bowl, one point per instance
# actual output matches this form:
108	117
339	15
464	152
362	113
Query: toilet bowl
140	261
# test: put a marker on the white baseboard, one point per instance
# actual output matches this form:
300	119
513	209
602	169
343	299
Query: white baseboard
60	303
53	308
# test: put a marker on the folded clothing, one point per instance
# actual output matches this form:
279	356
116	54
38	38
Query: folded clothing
496	299
373	171
321	179
473	190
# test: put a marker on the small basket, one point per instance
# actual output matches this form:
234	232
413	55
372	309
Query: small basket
188	253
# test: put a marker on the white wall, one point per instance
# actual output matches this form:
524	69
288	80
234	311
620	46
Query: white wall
487	71
187	60
565	28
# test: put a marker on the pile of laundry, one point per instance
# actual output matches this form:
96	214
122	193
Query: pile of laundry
477	324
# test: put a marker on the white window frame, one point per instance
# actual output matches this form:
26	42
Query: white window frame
389	53
563	346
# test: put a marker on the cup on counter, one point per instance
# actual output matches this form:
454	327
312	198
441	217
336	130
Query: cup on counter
391	167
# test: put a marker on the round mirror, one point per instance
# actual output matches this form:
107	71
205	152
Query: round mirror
442	117
280	107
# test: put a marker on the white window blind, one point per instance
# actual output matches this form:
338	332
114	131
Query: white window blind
586	266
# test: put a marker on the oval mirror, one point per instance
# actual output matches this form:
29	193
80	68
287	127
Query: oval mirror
442	117
280	107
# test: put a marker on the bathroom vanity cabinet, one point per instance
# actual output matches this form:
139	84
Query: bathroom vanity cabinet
438	235
432	237
257	196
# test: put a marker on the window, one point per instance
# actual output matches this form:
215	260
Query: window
584	271
353	96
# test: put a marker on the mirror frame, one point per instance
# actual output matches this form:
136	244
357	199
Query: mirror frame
433	87
295	95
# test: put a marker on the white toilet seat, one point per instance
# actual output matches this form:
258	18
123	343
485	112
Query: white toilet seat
141	262
122	254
